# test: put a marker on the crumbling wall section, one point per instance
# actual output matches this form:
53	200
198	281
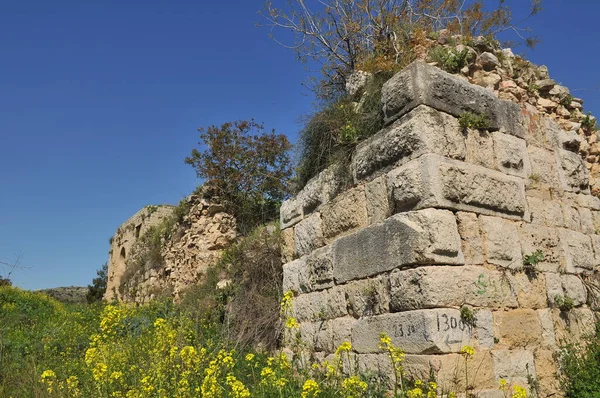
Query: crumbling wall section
439	219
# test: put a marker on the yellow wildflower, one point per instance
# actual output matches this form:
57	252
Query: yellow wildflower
468	351
310	389
353	387
249	357
238	389
291	323
519	392
286	301
344	347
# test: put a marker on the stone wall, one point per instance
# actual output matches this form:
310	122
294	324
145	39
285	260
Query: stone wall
124	239
440	218
194	244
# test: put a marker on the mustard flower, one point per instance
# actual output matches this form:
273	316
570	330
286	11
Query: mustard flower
310	389
467	351
291	323
519	392
354	387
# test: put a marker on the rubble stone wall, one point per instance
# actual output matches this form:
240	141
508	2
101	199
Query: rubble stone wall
441	218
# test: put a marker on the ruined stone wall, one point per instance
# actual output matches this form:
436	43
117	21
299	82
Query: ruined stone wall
122	243
439	218
193	245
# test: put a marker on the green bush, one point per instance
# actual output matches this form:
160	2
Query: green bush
580	364
450	60
477	121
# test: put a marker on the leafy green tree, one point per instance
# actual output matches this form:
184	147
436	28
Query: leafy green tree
247	168
98	287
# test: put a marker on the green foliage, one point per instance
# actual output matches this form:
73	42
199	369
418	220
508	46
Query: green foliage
329	136
449	59
580	365
530	261
467	316
566	101
247	168
98	287
470	120
588	122
564	303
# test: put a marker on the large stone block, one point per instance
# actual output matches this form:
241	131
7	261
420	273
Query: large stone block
431	287
424	130
422	237
321	305
536	237
517	328
501	242
422	84
574	174
417	332
544	170
470	234
577	250
287	245
514	366
368	297
510	155
296	277
434	181
480	148
545	212
347	212
378	203
308	235
320	268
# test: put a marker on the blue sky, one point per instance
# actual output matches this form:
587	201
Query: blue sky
100	101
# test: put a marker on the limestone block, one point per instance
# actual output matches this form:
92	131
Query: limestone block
420	83
287	245
517	328
470	235
577	251
536	237
290	212
501	242
296	277
378	204
542	132
317	336
431	287
573	287
573	173
341	330
368	296
545	212
596	246
480	148
511	155
544	170
531	290
588	201
573	325
321	305
434	181
417	332
514	366
547	323
320	268
546	368
484	329
422	237
308	235
376	365
449	370
553	286
423	130
347	212
571	217
587	220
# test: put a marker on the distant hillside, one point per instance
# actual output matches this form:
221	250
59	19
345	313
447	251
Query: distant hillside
69	294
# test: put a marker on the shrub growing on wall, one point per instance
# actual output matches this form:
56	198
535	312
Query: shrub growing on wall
246	167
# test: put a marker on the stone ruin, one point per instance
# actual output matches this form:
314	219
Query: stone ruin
436	241
195	244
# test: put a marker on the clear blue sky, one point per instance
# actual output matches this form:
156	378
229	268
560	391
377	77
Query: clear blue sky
100	102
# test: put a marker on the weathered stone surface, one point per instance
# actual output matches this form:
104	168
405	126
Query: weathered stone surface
536	237
480	148
417	332
546	368
470	235
501	242
431	287
433	181
422	237
296	277
378	204
347	212
571	217
322	305
573	172
357	81
577	251
287	245
420	83
544	170
514	366
484	329
547	323
368	297
320	268
587	221
308	235
531	290
290	212
517	328
511	155
573	325
545	212
423	130
572	286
